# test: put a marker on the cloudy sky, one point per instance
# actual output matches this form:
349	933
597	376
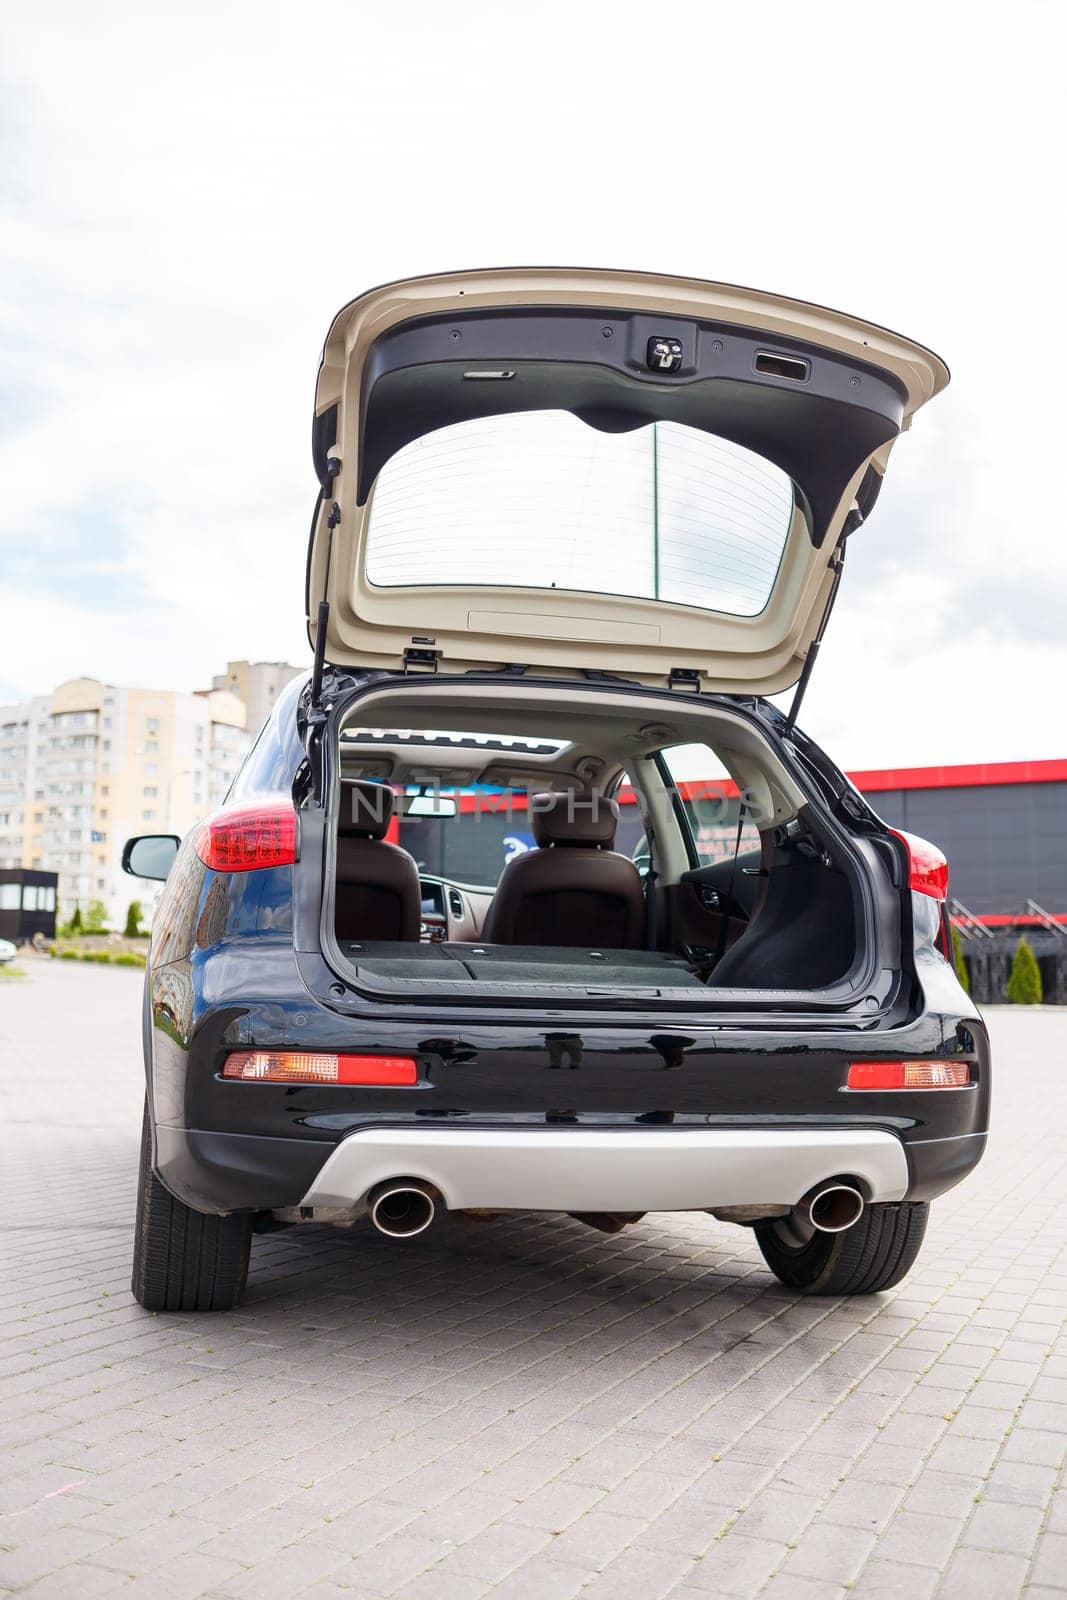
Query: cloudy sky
189	192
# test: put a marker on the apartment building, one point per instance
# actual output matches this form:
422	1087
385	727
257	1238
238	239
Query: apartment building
90	764
258	684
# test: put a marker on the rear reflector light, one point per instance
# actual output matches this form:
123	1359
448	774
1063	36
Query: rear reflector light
312	1066
246	837
927	867
909	1075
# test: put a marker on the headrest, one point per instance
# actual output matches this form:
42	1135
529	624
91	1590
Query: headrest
583	818
366	809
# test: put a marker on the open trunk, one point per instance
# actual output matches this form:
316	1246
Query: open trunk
569	845
576	513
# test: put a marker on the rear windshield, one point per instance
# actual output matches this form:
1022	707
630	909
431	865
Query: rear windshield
540	500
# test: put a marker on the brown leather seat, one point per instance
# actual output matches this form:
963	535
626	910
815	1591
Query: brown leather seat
573	889
378	894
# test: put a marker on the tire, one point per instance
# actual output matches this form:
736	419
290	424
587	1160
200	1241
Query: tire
875	1253
184	1260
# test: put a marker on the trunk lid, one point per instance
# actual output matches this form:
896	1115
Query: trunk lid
578	470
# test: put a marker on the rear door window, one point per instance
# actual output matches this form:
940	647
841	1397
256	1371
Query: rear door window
709	803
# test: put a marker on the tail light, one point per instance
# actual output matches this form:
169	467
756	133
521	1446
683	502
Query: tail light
927	866
242	838
909	1075
315	1066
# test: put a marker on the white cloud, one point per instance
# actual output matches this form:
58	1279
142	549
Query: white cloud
190	193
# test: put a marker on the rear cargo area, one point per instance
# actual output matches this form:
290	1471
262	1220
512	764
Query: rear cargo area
571	845
541	969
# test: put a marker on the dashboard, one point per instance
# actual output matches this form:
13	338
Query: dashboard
451	912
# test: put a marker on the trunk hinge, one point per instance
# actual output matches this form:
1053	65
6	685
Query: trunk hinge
420	657
837	562
685	678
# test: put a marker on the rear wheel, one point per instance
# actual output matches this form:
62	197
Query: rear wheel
875	1253
184	1260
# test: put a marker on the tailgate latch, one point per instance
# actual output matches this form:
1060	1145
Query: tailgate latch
419	659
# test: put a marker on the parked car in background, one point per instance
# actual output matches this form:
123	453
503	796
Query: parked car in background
573	529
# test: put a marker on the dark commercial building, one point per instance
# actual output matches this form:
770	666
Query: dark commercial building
27	903
1003	827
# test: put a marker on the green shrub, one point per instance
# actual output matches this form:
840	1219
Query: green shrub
74	926
958	961
100	958
132	929
96	917
1024	980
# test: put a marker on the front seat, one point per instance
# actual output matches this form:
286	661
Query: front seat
573	889
378	893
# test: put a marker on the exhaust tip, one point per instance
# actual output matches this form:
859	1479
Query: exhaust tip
833	1207
402	1210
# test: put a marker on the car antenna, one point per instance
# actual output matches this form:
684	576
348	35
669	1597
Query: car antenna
323	615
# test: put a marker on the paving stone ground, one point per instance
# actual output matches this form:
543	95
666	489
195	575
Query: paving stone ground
524	1408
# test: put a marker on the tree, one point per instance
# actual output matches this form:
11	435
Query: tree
96	917
1024	980
74	926
958	961
132	929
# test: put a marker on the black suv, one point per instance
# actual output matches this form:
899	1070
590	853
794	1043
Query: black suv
528	898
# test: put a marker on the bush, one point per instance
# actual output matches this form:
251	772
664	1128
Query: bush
132	929
74	926
96	917
1024	980
958	961
103	958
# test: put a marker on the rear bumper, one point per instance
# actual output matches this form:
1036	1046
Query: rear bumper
656	1169
559	1169
751	1116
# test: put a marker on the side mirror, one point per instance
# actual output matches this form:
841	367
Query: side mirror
150	855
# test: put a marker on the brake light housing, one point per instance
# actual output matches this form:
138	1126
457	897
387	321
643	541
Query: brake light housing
248	837
909	1075
927	865
319	1066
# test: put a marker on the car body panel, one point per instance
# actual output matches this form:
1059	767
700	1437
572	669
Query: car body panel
225	1145
235	963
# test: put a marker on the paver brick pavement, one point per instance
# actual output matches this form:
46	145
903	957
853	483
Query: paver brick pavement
519	1408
